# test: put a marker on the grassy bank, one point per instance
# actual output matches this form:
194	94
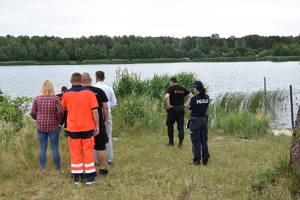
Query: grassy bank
156	60
146	169
250	58
37	63
243	152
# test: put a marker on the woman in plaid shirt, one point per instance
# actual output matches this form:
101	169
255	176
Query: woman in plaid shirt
48	112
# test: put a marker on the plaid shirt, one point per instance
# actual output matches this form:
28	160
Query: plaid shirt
46	109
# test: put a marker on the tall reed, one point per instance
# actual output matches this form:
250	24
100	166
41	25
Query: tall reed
251	101
242	123
141	103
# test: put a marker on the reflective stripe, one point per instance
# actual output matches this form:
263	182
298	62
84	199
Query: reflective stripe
90	171
77	165
77	171
89	165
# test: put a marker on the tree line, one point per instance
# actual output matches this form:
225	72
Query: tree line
51	48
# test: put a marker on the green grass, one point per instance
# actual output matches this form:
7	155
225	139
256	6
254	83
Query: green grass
159	60
36	63
251	58
146	169
106	61
19	63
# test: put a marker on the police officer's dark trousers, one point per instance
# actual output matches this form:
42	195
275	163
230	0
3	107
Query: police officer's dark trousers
175	114
199	139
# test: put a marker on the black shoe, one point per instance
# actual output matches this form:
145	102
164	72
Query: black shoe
195	163
103	172
169	144
205	162
77	178
180	144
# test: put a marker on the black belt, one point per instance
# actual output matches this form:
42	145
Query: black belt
199	117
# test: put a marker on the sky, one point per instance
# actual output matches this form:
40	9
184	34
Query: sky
174	18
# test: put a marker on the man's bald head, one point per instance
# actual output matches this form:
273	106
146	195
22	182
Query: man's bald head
86	79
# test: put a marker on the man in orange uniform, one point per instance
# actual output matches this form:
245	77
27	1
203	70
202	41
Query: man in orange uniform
83	125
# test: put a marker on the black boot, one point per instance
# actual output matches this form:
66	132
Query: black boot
170	143
180	144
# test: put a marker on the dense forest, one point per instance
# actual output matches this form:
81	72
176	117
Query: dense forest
51	48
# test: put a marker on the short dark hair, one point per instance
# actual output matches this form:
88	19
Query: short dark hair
76	77
100	75
173	79
63	88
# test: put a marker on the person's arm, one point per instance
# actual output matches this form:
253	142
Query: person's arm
33	115
105	112
167	99
96	120
60	115
60	110
112	100
33	110
190	95
190	107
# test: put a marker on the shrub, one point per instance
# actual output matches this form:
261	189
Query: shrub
13	110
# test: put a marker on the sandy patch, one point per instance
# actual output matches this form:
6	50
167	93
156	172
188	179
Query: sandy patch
282	131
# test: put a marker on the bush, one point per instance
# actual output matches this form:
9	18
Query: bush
14	110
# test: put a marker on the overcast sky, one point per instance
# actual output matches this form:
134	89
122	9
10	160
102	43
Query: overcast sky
74	18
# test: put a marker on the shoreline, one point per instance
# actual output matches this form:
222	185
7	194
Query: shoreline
157	60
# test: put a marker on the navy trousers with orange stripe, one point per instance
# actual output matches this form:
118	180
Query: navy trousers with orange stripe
81	145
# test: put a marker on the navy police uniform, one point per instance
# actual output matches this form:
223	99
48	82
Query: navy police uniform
198	127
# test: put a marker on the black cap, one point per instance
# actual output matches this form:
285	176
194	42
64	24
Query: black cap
197	84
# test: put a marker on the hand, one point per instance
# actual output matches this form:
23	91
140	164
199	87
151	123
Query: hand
170	107
105	123
96	131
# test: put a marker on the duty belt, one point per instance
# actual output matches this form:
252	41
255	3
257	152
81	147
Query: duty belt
199	118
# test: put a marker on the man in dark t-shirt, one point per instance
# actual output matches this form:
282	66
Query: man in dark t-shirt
174	98
101	139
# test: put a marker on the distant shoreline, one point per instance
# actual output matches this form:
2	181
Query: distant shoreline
157	60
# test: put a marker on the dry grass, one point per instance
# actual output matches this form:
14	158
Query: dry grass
146	169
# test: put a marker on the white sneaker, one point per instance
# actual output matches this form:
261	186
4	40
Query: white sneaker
90	183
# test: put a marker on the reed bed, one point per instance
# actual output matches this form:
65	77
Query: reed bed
250	58
159	60
106	61
249	100
19	63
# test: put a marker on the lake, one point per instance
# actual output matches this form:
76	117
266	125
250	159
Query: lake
220	77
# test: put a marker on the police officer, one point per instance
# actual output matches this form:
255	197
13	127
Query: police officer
175	106
198	124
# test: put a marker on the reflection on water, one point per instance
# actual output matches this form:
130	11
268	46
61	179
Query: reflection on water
219	77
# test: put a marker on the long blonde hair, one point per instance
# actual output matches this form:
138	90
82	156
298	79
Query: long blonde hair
47	88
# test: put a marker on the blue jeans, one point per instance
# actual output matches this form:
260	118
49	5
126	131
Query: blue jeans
54	139
199	139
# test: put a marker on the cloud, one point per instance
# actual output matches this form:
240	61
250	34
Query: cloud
66	18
